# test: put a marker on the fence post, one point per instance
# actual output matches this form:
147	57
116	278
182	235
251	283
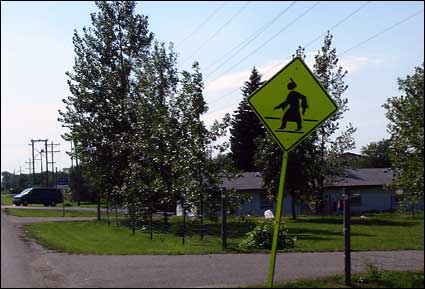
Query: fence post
223	220
184	222
347	236
150	220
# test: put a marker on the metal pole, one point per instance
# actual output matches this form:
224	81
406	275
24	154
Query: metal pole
347	235
223	220
78	177
41	167
277	219
52	158
150	225
184	222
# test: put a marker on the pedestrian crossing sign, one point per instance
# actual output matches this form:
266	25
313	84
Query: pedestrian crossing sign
292	104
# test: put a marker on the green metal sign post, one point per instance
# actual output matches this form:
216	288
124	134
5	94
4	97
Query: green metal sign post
291	105
277	219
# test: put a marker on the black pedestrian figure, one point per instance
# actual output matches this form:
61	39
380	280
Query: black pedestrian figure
293	113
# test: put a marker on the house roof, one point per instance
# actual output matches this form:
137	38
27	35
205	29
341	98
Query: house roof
364	177
353	178
248	181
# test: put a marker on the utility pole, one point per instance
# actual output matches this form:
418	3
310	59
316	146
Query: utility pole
41	159
77	173
33	164
52	162
47	164
29	165
41	162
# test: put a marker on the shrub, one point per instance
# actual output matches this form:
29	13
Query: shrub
261	237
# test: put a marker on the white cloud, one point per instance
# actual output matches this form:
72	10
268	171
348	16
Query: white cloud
235	80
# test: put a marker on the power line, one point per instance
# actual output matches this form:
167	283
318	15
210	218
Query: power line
216	33
202	24
382	31
349	49
248	40
337	24
270	39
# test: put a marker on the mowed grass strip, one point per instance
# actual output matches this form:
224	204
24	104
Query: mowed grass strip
6	200
314	234
98	238
386	279
388	231
47	213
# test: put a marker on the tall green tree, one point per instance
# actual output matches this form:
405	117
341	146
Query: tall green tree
246	127
406	127
376	154
331	148
108	56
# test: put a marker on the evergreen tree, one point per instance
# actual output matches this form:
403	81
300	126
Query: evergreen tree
245	128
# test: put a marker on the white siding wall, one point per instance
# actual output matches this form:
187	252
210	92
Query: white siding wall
372	199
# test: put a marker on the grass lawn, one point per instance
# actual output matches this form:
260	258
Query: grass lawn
47	213
379	232
314	234
6	200
381	279
98	238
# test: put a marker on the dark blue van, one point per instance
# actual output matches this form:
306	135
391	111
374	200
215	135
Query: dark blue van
45	196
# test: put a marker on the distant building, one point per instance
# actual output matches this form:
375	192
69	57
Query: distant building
251	183
367	188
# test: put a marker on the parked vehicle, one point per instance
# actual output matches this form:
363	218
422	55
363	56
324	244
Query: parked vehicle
45	196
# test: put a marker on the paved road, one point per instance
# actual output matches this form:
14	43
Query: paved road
24	263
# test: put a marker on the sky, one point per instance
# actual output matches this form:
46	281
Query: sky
376	42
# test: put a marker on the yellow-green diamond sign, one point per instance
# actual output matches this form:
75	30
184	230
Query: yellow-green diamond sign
292	104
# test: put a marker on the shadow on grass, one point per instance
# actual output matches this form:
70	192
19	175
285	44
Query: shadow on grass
356	221
311	232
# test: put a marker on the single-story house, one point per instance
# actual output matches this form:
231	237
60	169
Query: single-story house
366	186
251	183
368	191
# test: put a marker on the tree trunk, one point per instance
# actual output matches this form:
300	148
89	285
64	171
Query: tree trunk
202	219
